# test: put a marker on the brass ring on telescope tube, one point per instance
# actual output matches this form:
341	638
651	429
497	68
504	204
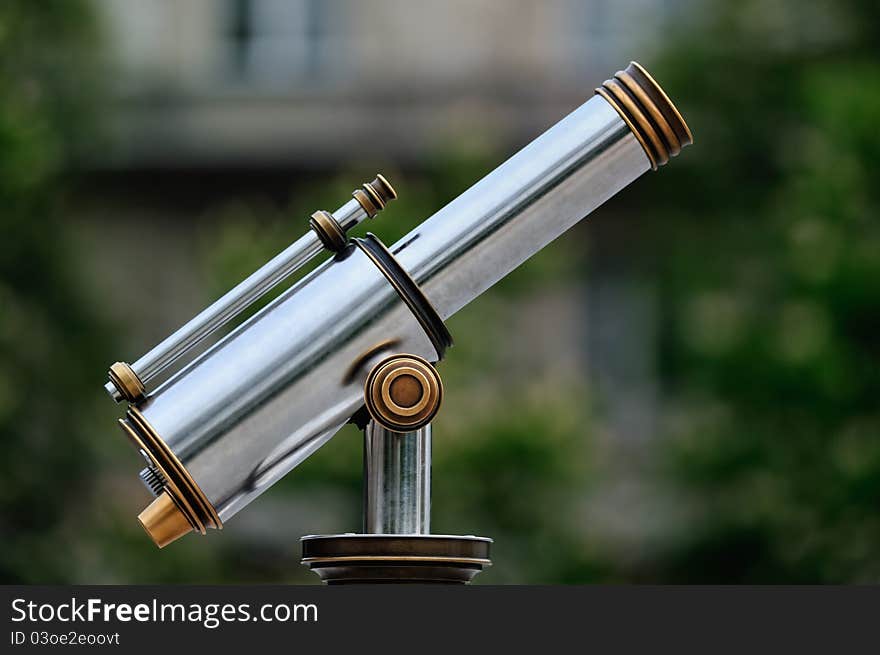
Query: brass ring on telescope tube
635	132
662	101
126	382
408	290
210	516
660	154
180	485
669	136
329	230
647	110
170	490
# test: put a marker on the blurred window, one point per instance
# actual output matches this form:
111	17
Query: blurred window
278	42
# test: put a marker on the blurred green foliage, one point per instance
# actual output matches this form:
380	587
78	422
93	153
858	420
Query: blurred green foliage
49	332
771	295
767	264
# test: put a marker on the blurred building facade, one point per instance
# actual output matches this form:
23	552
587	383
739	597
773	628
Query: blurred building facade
247	86
307	82
683	389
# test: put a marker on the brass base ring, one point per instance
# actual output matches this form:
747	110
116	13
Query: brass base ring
399	558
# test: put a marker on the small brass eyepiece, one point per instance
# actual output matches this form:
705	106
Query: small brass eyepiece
374	196
383	188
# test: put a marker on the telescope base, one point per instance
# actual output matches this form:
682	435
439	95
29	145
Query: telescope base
396	558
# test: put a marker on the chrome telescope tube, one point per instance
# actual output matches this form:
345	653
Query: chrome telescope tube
543	190
243	414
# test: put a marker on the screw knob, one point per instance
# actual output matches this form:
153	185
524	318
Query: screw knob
403	393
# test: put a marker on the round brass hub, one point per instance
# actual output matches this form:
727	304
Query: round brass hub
403	393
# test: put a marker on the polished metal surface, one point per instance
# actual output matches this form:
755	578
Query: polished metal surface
522	205
273	391
268	395
350	214
397	480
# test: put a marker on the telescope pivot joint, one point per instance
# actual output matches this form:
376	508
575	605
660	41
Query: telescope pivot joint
403	393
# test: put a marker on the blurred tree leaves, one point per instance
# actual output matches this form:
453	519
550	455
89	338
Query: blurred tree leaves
772	296
769	284
62	517
49	336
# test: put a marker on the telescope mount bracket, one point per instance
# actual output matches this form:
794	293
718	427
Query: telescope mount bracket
402	395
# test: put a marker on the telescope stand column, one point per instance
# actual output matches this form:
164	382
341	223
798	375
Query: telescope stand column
402	395
397	480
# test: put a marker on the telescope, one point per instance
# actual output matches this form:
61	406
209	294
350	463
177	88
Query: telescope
358	339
